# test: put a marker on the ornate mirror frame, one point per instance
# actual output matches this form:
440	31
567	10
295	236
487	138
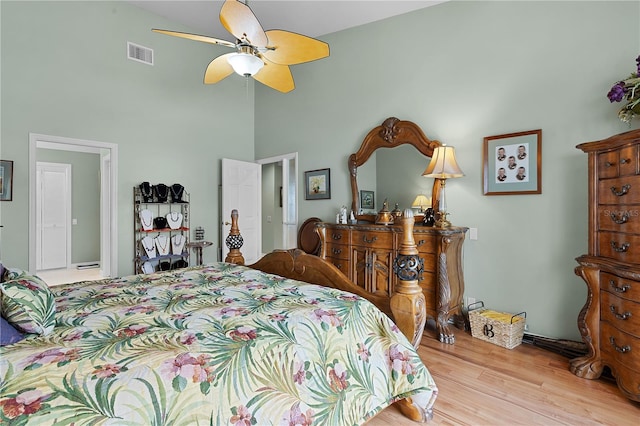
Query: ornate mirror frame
391	133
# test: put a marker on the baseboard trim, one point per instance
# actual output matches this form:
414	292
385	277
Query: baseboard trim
567	348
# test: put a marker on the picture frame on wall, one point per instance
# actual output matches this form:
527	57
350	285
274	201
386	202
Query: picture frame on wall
317	184
6	180
512	163
367	200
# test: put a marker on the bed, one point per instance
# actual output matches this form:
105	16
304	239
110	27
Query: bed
216	344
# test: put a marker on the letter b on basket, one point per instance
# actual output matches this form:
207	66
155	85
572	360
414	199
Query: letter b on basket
488	330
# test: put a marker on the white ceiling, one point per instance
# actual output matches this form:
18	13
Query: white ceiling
313	18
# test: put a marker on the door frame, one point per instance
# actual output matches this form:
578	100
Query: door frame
289	224
67	216
109	211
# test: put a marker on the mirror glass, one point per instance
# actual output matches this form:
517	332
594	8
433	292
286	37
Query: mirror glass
395	174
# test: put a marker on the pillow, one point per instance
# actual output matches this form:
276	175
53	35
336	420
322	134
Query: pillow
8	333
14	274
2	270
28	304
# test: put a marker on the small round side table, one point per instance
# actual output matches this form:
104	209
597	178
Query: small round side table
197	247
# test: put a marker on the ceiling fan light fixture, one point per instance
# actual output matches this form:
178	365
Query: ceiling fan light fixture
245	64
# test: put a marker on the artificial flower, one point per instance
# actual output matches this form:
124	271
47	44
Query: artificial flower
628	90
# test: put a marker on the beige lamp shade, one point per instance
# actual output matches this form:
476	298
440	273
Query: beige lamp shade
421	202
443	164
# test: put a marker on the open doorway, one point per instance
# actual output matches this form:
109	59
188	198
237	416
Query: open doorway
107	210
279	202
241	188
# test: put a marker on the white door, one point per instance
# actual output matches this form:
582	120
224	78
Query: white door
241	190
53	227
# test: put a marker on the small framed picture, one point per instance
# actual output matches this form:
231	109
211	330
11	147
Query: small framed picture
317	184
367	200
512	163
6	180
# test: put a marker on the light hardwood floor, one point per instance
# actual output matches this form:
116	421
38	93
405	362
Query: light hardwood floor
62	276
483	384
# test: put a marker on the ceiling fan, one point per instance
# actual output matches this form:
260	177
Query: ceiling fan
263	55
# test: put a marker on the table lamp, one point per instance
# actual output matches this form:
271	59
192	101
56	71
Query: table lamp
443	166
421	202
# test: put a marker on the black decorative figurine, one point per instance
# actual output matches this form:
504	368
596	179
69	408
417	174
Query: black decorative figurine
429	218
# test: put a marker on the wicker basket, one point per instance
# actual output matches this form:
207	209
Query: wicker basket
500	328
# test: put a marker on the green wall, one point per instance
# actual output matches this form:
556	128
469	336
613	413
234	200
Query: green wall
64	72
463	71
85	201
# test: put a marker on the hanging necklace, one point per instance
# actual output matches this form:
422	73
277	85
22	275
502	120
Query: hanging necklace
176	192
163	244
178	242
147	268
174	219
149	246
146	219
162	191
145	188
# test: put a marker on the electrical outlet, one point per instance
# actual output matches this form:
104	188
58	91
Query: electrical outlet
526	327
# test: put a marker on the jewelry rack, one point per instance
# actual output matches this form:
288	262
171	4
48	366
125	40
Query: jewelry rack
174	237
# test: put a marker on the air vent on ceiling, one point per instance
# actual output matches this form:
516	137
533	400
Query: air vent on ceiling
135	52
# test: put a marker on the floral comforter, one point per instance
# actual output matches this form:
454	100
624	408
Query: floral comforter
214	345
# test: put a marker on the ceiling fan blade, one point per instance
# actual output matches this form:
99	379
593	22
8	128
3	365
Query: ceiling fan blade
218	69
196	37
276	76
240	21
291	48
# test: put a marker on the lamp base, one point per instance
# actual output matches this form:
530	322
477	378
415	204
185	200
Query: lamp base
442	221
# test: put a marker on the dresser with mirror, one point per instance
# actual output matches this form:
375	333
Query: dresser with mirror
365	251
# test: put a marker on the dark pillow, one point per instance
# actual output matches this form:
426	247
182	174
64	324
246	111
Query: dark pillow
1	273
8	333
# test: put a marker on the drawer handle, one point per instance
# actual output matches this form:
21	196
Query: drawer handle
621	349
624	316
609	164
336	251
625	160
619	289
620	218
620	249
421	242
364	238
339	266
624	190
336	236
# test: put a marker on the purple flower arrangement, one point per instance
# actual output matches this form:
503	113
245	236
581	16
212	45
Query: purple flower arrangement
629	90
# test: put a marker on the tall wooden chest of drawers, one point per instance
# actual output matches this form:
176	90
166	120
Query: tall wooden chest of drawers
610	320
366	252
